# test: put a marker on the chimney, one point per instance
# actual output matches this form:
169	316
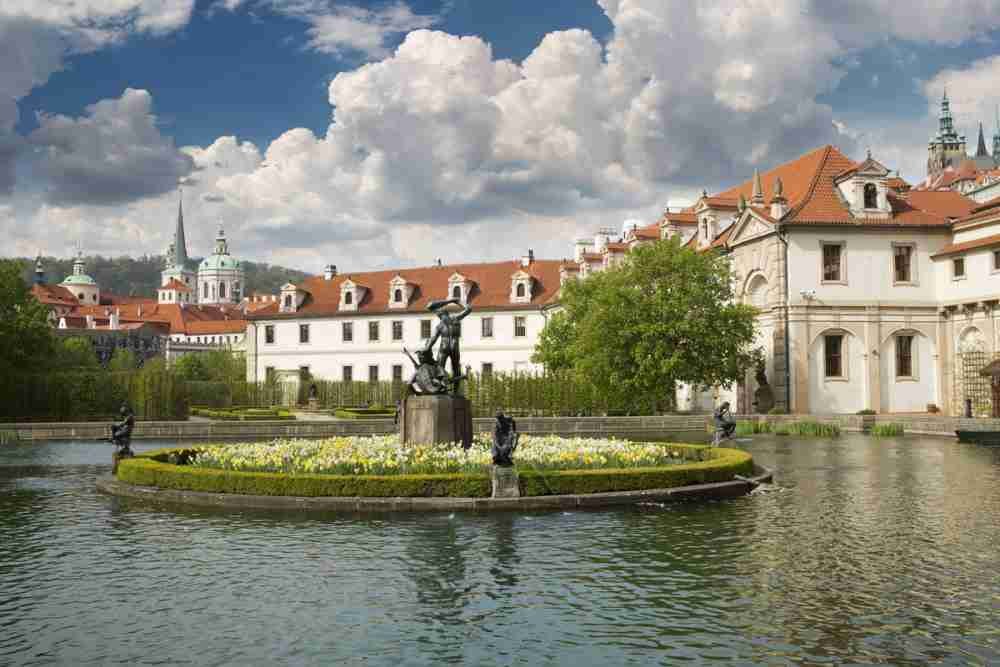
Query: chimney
113	324
329	272
138	312
581	246
90	322
526	260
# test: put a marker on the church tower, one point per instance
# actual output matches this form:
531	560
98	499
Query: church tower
996	139
177	257
947	148
984	161
220	275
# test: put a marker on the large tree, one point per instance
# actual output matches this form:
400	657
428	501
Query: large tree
665	315
26	339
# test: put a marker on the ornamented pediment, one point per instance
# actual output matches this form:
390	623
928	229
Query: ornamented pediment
750	227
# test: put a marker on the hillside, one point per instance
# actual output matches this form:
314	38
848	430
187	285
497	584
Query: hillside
141	276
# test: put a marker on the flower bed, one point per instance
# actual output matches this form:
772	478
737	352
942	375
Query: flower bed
546	466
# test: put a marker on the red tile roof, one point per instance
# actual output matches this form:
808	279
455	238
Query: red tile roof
946	203
984	211
54	295
177	285
968	245
649	232
490	290
173	315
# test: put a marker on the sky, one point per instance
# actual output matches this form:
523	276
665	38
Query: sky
398	132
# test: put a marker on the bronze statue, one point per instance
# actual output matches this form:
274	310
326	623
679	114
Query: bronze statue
121	437
430	375
505	437
764	395
725	425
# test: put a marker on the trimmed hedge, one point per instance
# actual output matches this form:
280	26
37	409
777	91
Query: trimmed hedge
364	413
250	414
153	469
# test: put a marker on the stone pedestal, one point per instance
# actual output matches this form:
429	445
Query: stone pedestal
313	404
505	482
436	419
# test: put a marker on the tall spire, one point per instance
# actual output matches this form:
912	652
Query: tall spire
996	138
981	148
180	247
946	124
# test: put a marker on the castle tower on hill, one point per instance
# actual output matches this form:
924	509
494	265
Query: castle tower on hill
947	149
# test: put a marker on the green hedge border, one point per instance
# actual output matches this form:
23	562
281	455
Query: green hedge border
247	415
163	469
364	413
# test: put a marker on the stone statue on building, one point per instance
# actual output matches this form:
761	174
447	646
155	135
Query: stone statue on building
763	397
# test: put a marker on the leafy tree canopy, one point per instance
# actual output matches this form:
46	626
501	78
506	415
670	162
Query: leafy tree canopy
26	339
666	315
75	353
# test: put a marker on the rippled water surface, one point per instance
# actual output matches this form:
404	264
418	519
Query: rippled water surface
867	551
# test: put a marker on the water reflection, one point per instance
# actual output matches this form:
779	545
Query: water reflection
872	551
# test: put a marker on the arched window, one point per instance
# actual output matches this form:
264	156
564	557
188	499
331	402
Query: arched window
520	289
222	290
288	301
348	298
871	195
456	292
757	292
397	296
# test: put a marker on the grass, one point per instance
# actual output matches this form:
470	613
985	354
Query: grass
805	429
887	430
8	437
752	428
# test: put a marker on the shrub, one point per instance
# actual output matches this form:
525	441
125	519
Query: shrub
866	412
777	411
887	430
364	413
155	469
807	429
244	414
933	408
753	427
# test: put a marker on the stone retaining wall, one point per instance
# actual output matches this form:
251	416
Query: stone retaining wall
684	428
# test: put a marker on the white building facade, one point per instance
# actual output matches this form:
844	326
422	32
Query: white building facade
354	327
867	297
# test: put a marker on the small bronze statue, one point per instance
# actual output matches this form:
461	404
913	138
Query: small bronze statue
121	437
725	425
763	397
505	437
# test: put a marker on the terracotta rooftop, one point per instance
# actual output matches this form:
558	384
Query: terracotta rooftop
177	285
54	295
968	245
491	283
177	317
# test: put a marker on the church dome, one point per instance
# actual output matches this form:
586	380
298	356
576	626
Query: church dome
79	279
217	262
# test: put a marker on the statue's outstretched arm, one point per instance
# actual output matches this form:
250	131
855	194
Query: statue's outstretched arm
465	311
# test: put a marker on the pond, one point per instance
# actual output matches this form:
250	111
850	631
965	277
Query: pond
867	551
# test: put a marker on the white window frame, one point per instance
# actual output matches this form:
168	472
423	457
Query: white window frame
914	277
965	268
844	356
843	263
914	375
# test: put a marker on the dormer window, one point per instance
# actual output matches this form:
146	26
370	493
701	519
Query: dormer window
521	284
871	195
288	301
459	287
291	298
351	295
400	292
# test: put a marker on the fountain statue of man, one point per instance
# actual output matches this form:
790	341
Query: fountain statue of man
447	332
725	425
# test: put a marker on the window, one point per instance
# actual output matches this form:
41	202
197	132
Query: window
487	324
204	289
520	289
904	356
347	331
304	374
269	374
871	195
222	290
832	256
373	331
397	372
996	260
958	268
348	298
347	373
425	328
487	368
236	289
288	301
833	353
80	295
397	296
373	373
456	292
520	330
303	333
902	263
397	329
269	333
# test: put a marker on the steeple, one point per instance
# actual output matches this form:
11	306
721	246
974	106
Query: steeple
221	247
981	148
757	196
78	265
39	270
996	138
180	247
946	125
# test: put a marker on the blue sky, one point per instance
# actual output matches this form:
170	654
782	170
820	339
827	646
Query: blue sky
374	133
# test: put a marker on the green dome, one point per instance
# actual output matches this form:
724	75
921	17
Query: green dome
78	279
216	262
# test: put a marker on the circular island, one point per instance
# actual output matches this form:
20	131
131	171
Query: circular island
378	473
